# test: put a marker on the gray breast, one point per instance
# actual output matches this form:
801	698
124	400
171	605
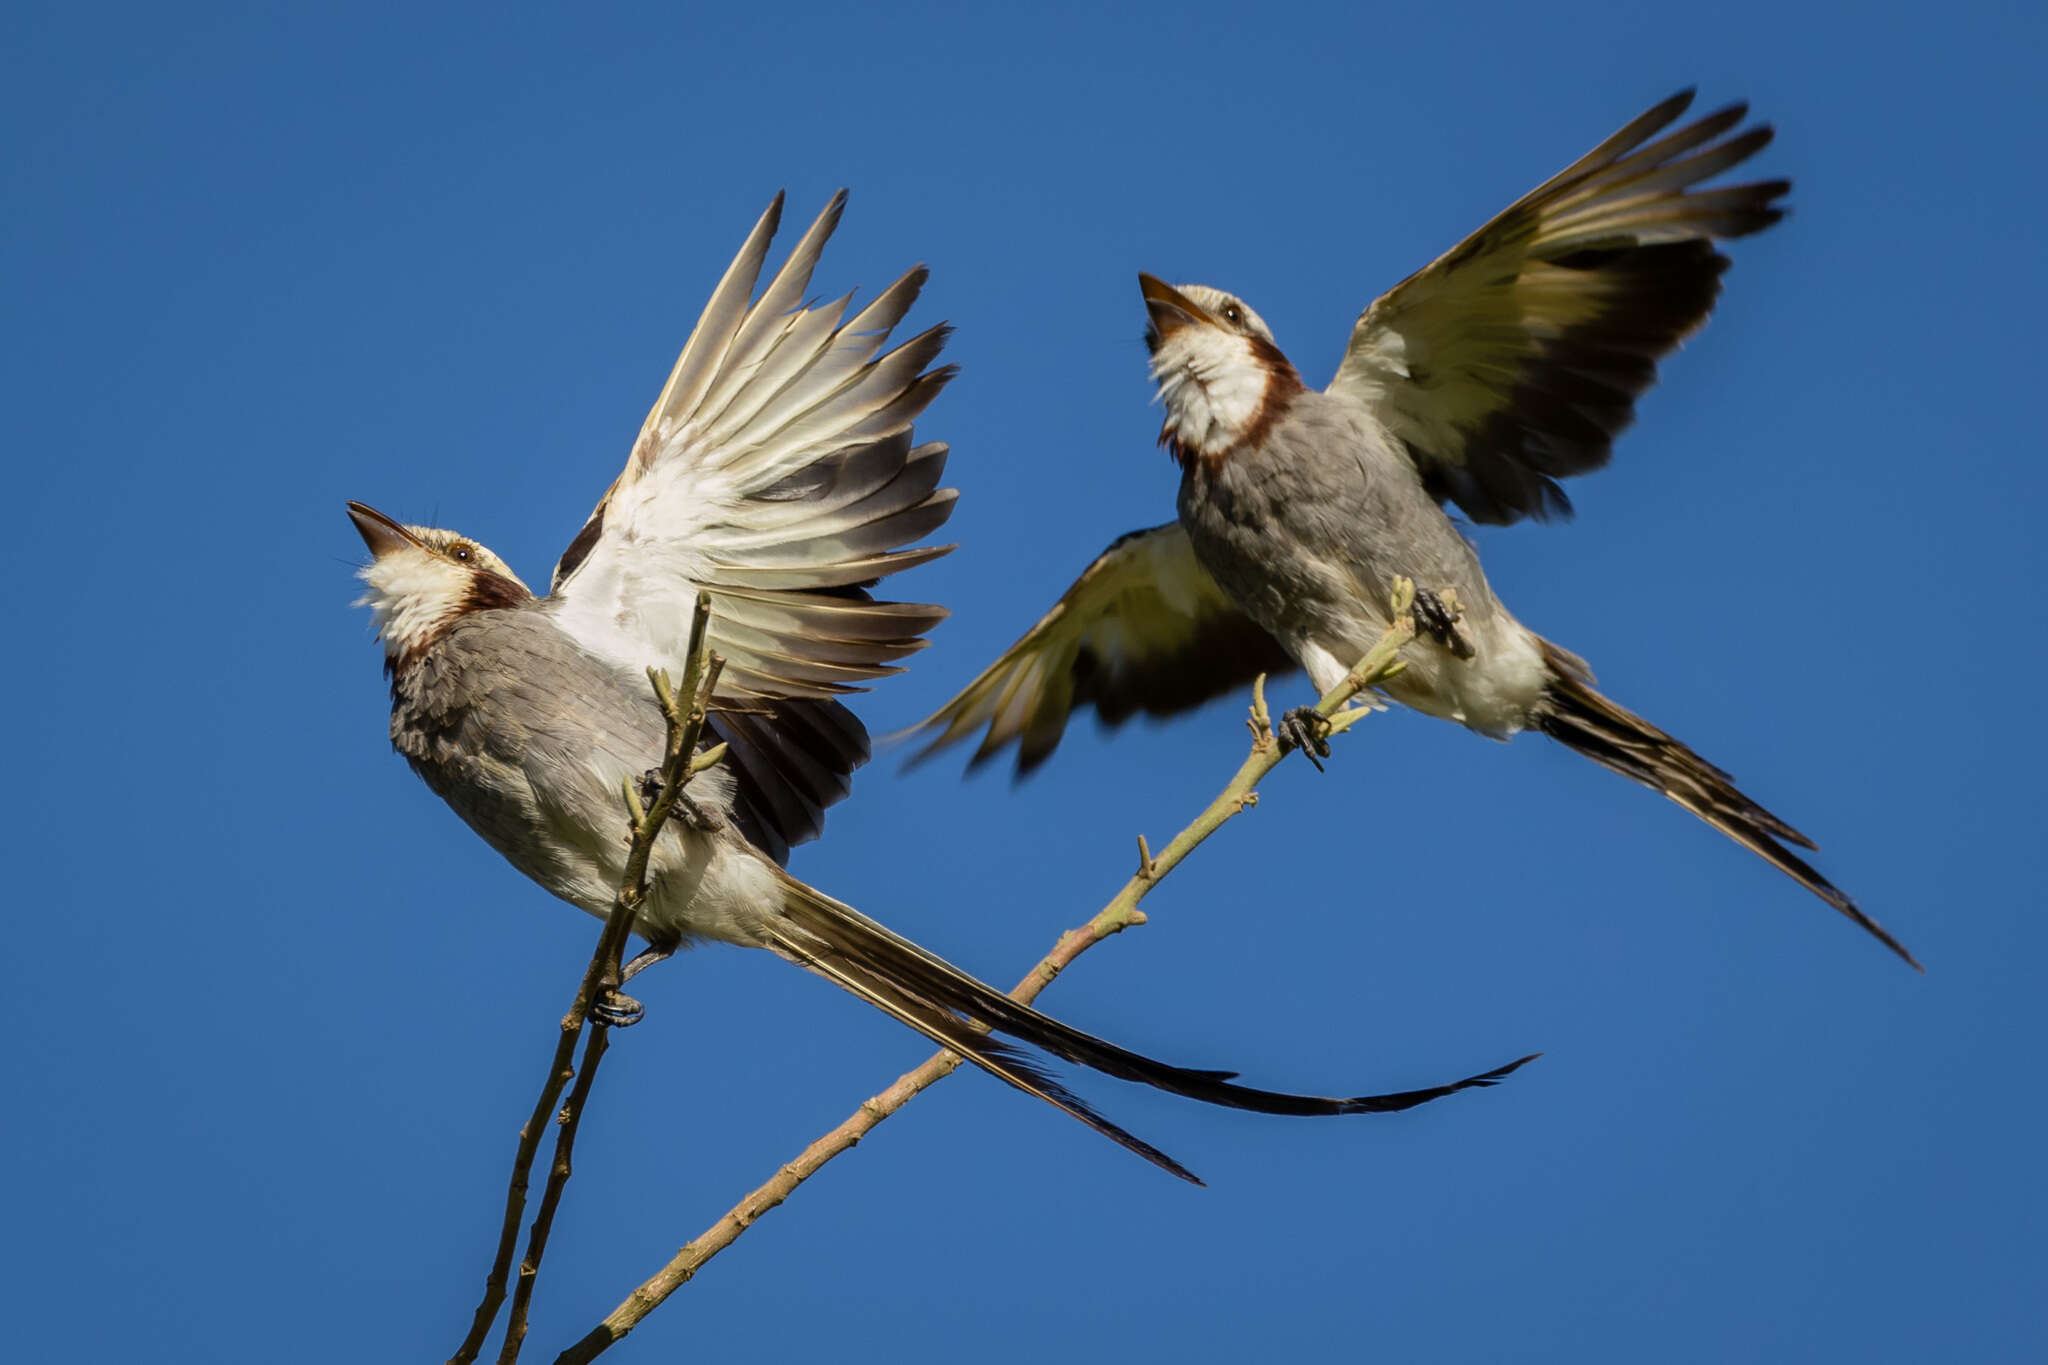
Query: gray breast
527	738
1311	525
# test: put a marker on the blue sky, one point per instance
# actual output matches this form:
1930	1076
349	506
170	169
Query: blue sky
275	1015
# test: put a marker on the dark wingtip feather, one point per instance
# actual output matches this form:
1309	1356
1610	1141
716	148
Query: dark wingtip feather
1760	212
1712	125
773	216
1669	108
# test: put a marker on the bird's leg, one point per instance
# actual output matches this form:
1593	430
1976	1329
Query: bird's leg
686	810
647	957
1440	618
1306	729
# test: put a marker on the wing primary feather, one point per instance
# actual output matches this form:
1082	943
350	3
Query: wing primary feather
1694	134
778	472
1516	357
1634	131
798	347
879	318
708	341
770	313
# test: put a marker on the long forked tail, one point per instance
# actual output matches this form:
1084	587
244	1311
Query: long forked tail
1584	721
958	1012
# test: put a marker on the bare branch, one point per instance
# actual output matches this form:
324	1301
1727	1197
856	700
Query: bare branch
1122	912
679	762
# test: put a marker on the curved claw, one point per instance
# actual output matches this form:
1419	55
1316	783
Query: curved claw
1440	619
1306	729
615	1009
686	811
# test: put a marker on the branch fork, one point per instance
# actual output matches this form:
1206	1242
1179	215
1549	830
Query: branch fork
1379	664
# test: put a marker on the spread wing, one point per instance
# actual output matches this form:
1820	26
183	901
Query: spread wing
1143	629
776	472
1515	359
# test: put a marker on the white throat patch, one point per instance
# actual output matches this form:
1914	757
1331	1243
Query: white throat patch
413	593
1211	384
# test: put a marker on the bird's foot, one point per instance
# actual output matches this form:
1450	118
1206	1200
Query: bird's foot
1441	618
1305	729
616	1009
686	810
613	1006
695	815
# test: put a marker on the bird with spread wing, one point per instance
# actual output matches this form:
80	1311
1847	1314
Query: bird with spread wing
776	474
1509	363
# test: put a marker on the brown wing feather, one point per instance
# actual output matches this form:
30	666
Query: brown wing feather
1515	359
1144	628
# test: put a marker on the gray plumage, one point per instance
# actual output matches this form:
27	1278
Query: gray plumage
1510	362
530	739
777	475
1307	531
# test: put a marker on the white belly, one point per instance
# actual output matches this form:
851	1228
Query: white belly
1495	692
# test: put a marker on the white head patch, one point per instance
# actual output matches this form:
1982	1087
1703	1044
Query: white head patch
417	590
1215	375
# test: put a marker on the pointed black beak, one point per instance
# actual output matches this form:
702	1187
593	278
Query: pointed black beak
379	532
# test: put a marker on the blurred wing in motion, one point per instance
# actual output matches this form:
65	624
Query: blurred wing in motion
1515	359
1145	628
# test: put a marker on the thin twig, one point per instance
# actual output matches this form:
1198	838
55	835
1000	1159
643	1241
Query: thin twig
1379	664
680	762
699	673
559	1168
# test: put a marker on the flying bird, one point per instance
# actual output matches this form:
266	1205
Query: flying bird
776	473
1480	381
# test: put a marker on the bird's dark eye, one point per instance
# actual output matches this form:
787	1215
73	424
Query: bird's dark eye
461	552
1233	315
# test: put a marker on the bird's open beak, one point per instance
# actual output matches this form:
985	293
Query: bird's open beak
379	532
1171	310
